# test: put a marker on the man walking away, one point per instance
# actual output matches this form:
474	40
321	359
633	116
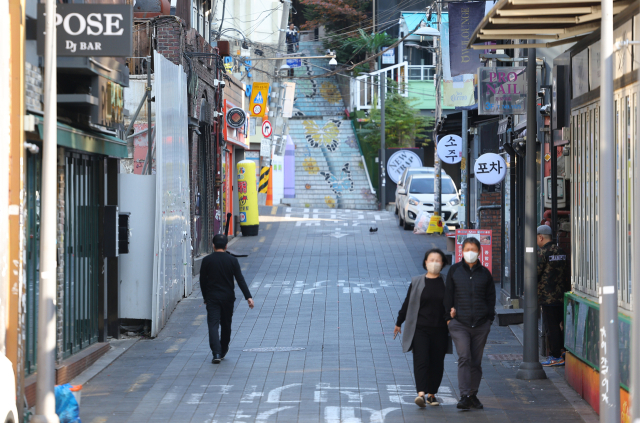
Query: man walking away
216	282
292	40
553	282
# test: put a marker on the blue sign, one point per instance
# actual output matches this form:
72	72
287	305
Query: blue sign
243	217
258	99
294	63
389	57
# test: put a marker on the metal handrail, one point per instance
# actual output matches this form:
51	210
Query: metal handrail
364	162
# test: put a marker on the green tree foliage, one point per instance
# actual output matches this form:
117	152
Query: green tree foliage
335	15
358	48
404	125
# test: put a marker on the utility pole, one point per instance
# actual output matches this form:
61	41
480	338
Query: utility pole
383	166
46	354
634	391
531	367
436	160
607	271
462	209
277	85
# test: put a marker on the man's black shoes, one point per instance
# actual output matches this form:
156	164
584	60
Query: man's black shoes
216	359
224	353
475	402
465	403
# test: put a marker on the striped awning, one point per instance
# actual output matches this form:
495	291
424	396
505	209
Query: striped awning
553	22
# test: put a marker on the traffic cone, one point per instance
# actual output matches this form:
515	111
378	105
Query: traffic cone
270	188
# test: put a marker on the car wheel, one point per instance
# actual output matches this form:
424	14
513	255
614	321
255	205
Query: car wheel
400	219
407	226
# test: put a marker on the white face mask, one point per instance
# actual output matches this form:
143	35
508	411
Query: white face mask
470	256
434	268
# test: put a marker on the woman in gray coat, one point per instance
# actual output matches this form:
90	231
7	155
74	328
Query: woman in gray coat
425	328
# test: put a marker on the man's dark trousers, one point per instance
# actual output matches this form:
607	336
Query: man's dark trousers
553	317
470	344
219	314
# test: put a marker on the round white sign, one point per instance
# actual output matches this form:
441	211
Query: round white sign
399	161
266	129
450	149
490	169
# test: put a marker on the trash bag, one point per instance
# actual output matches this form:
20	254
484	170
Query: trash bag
422	222
66	404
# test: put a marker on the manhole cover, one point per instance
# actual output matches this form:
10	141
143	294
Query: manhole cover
274	349
505	357
495	342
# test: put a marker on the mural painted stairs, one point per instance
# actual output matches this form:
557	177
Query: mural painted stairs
330	172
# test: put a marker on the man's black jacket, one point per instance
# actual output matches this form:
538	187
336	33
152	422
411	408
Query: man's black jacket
216	277
471	292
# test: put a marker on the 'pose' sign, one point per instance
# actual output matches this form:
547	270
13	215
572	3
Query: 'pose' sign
90	29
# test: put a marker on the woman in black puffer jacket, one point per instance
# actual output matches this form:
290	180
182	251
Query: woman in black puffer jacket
470	299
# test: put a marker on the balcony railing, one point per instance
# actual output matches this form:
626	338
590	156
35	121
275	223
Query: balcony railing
365	89
421	72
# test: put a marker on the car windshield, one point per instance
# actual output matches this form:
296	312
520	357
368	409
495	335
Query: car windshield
416	171
425	186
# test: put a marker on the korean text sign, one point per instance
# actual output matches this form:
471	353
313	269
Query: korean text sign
90	30
450	149
482	235
502	90
490	169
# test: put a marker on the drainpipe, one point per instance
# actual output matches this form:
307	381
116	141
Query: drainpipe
489	207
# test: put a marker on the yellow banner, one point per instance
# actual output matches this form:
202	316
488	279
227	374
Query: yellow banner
259	94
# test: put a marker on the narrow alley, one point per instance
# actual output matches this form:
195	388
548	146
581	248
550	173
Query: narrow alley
318	346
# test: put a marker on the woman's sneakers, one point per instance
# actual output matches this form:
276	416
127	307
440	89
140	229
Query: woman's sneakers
432	400
420	401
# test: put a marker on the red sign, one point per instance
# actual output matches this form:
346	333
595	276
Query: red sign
482	235
266	129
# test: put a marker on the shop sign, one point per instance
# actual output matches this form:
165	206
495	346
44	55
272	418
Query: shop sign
236	117
399	161
485	238
294	63
87	30
450	149
389	57
502	91
503	124
490	169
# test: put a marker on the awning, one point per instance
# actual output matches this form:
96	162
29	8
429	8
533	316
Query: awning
556	21
89	141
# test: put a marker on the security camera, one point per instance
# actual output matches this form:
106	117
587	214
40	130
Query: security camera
546	109
333	63
222	83
541	93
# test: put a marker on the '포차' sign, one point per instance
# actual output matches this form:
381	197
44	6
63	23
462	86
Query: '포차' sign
502	91
490	169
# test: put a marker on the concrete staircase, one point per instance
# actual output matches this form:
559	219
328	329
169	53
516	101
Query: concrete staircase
330	172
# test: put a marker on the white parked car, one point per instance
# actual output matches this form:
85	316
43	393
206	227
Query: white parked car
8	410
405	175
418	196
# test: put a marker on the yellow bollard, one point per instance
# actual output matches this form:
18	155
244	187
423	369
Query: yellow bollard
435	225
248	198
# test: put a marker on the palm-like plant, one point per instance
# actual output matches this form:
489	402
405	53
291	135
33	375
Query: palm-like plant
370	44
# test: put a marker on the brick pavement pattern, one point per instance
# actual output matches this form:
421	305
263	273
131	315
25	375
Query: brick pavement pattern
326	286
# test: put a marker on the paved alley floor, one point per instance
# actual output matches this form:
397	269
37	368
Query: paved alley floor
318	346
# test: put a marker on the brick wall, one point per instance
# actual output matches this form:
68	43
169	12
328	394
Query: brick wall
33	86
60	256
492	219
